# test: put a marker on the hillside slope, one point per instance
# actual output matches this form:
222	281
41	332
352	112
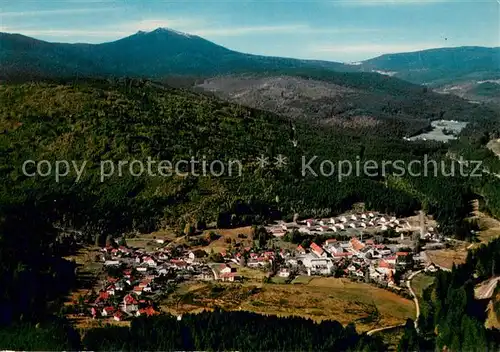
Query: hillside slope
440	66
145	54
113	121
387	105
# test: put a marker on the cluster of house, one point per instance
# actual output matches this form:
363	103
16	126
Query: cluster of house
361	221
137	278
363	259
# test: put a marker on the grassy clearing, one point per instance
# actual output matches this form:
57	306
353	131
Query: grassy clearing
278	280
319	299
446	257
489	228
302	280
229	235
251	274
420	282
148	241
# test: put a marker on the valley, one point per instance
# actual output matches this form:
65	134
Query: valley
117	232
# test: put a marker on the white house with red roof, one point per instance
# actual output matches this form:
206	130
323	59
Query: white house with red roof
301	249
330	242
148	311
385	267
108	311
231	277
150	261
226	269
356	245
130	303
341	255
119	316
317	250
111	290
404	258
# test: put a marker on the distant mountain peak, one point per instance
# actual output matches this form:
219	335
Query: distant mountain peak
166	30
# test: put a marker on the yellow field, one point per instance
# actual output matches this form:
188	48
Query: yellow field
320	299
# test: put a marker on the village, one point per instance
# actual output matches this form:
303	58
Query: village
133	280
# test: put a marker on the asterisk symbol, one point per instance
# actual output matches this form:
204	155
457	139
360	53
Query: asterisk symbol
280	160
263	161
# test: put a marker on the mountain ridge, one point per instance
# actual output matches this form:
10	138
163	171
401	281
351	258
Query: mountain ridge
136	55
166	51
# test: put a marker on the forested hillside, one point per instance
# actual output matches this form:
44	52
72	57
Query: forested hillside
221	330
100	120
450	316
389	106
440	66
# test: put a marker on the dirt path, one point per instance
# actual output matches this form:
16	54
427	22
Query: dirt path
417	307
486	289
415	298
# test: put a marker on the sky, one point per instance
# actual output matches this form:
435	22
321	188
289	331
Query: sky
341	30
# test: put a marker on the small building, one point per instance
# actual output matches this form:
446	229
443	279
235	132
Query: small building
230	277
226	269
317	250
112	263
330	242
148	311
108	311
284	272
197	255
356	245
431	268
118	316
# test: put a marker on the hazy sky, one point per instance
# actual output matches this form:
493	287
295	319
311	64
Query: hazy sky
316	29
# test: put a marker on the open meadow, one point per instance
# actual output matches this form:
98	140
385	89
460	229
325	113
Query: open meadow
319	299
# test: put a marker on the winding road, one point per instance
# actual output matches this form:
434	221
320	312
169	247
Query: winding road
415	298
417	306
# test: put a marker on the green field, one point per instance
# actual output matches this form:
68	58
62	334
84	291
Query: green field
420	282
